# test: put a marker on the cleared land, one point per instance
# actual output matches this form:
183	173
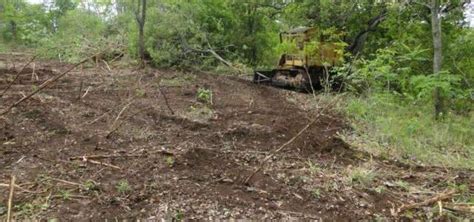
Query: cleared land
116	143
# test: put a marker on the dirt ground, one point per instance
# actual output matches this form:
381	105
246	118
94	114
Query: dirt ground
114	143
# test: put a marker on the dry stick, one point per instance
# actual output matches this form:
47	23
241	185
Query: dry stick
107	65
44	85
430	201
120	156
166	100
10	198
279	149
103	164
104	114
314	120
19	187
17	76
120	124
120	114
80	90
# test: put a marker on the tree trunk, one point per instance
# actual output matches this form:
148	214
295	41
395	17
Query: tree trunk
14	30
437	53
141	17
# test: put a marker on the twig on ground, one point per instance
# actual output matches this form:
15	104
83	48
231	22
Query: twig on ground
440	197
120	156
104	114
103	164
66	182
85	159
463	208
121	123
17	76
33	74
166	100
44	85
10	198
120	114
272	153
80	90
20	188
107	65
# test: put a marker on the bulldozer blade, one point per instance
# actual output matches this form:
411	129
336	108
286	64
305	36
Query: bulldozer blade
263	76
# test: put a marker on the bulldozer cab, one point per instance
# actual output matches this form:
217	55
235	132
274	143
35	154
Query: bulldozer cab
299	36
325	54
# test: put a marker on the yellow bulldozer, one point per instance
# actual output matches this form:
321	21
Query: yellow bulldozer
306	65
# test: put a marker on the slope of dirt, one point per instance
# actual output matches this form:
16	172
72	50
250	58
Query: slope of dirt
128	144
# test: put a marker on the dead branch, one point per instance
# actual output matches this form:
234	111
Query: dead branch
20	188
463	208
120	114
10	198
166	100
440	197
121	123
66	182
120	156
17	76
44	85
100	163
272	153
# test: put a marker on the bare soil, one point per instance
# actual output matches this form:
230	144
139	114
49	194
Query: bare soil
103	144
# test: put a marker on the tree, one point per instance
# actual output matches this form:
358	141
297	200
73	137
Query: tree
140	16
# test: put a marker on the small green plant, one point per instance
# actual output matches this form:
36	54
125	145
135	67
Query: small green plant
90	185
204	95
169	161
65	194
316	193
361	176
313	168
179	215
25	209
123	187
140	92
380	189
402	184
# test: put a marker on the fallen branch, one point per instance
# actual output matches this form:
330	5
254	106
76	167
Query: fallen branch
44	85
463	208
440	197
120	114
100	163
120	156
20	188
121	123
272	153
166	100
16	77
67	182
10	198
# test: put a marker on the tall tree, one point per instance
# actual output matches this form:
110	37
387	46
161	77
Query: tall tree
140	15
437	51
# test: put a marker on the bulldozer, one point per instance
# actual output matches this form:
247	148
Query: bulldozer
307	65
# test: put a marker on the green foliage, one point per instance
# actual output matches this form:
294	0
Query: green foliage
65	194
204	95
123	187
169	161
79	34
182	33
